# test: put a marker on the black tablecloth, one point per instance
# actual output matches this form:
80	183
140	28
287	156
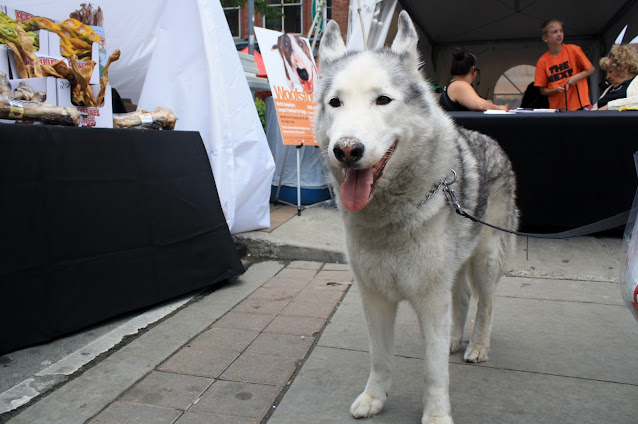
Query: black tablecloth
97	222
573	168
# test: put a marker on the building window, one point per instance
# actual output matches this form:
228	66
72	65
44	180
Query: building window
233	18
290	19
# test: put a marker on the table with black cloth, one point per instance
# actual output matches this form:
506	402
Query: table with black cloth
99	222
573	168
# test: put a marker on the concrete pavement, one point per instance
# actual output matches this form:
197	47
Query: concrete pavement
286	343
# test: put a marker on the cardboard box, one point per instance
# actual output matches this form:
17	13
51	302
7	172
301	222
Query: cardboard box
4	60
100	117
43	42
48	85
50	60
44	59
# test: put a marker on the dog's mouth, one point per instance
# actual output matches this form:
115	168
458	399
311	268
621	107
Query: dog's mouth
306	80
360	184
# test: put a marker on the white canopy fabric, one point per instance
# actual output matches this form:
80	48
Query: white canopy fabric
181	55
368	23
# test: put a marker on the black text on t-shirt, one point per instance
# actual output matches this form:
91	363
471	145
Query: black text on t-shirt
560	71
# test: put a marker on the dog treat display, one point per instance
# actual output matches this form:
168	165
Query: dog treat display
89	15
82	94
23	43
21	67
22	46
161	117
104	81
22	92
5	87
39	97
76	38
39	112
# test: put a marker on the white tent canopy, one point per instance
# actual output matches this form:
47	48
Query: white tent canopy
181	55
369	22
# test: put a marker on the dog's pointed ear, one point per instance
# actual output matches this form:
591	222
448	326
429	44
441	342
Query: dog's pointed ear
332	46
276	45
405	42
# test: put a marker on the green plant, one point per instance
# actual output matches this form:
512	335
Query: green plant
261	111
261	6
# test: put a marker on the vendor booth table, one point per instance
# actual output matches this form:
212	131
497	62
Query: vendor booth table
98	222
573	168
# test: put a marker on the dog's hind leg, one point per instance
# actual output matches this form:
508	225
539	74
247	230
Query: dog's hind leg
380	314
461	295
485	271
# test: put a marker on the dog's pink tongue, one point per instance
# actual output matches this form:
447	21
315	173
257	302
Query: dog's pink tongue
307	85
355	190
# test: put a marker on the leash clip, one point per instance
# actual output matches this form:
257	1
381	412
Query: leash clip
450	194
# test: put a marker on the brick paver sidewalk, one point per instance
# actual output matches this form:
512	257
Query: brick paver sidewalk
235	371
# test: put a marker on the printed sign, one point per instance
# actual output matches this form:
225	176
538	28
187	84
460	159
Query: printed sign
292	75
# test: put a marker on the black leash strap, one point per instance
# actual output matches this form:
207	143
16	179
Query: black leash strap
602	225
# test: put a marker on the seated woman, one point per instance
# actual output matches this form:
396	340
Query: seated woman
459	95
622	67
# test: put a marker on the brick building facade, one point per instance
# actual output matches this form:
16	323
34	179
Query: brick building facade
340	9
337	10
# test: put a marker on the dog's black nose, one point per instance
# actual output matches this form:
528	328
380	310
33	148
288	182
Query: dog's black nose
348	150
303	74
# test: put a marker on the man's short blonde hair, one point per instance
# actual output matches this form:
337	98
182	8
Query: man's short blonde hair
621	56
544	27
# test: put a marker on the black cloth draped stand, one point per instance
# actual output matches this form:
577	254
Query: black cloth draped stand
572	168
99	222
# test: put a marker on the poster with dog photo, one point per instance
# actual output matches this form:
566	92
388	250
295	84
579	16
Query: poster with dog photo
292	75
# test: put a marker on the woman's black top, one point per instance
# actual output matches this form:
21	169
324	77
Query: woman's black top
449	104
614	93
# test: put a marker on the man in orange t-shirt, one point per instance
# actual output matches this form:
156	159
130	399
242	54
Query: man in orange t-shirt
564	67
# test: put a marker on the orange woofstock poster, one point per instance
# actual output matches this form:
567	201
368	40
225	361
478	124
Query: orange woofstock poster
292	75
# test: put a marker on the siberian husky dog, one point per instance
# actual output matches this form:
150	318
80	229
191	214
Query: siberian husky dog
392	152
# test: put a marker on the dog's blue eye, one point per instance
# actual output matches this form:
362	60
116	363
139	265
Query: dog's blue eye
335	102
383	100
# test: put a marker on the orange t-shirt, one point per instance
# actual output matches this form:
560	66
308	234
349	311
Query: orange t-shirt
553	71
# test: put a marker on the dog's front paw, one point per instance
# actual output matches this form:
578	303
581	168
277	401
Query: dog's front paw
475	353
366	406
437	420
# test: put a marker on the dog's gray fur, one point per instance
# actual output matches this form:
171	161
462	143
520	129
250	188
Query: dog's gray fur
400	248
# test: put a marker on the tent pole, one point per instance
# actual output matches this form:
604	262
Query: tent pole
251	27
299	180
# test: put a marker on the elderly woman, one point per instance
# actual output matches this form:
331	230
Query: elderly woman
459	95
622	67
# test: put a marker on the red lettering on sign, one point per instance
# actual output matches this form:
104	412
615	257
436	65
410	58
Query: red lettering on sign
88	121
23	16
